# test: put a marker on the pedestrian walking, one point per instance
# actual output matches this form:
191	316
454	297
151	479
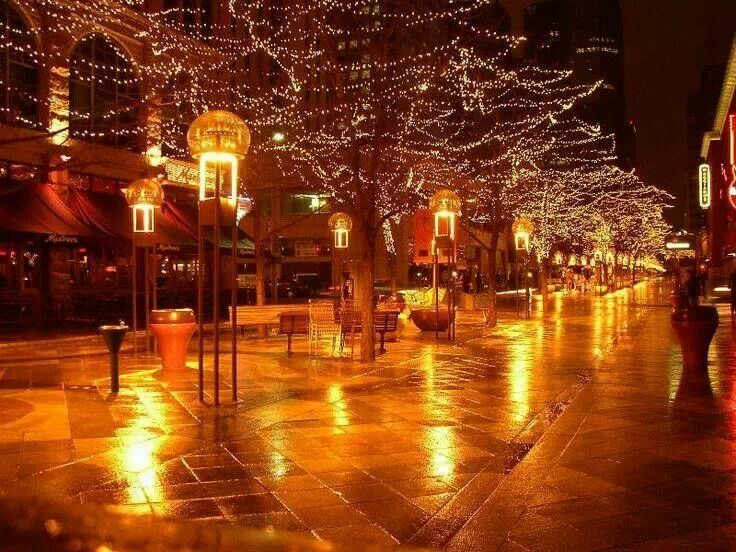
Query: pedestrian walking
692	288
732	287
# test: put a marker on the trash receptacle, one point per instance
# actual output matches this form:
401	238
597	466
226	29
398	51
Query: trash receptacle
173	329
114	336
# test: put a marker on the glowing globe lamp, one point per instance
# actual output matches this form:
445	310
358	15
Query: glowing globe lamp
445	204
143	196
522	230
218	137
341	224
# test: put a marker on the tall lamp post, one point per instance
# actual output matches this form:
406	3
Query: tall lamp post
522	229
218	139
340	224
445	204
143	196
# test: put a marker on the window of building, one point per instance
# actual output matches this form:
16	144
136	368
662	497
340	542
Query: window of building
193	17
265	206
18	70
13	174
95	183
103	95
304	204
177	113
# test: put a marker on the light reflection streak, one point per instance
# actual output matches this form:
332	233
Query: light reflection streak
520	364
335	398
138	457
436	440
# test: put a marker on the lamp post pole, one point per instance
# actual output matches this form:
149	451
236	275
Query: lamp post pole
214	137
134	302
216	283
234	301
436	285
147	295
516	283
200	299
451	291
335	293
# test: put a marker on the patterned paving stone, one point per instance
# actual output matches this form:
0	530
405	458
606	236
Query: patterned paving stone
413	448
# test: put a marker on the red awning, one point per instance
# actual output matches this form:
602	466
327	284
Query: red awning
37	209
109	215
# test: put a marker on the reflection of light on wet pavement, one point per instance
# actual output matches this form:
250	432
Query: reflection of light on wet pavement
335	396
138	456
437	440
519	379
278	464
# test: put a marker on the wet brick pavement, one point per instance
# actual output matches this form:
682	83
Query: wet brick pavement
567	431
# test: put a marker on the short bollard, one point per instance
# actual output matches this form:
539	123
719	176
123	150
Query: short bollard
113	336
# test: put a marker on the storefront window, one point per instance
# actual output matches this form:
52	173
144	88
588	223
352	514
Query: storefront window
12	174
304	204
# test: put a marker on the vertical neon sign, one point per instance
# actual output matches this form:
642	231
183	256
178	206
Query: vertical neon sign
704	185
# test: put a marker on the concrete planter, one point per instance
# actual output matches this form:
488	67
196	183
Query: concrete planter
427	321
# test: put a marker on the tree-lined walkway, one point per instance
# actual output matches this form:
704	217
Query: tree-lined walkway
536	434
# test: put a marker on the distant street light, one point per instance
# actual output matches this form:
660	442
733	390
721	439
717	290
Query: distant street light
522	229
445	204
340	224
143	196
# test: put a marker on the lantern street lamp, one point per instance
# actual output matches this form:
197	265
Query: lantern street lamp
218	139
445	204
522	229
340	224
143	197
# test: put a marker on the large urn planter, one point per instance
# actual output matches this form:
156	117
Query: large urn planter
173	329
695	327
428	321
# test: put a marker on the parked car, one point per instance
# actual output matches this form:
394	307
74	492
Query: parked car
289	289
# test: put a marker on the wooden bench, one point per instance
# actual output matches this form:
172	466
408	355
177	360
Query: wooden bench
293	323
383	322
261	315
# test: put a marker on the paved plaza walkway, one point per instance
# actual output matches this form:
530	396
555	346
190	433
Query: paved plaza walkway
569	431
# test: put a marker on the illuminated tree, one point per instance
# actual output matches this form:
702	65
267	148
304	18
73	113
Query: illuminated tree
504	128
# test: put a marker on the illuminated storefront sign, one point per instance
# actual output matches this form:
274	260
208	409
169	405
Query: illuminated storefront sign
704	185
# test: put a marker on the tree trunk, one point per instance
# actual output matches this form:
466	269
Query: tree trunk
260	269
615	272
364	289
544	267
492	316
633	269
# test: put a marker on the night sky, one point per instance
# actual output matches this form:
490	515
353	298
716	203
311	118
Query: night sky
667	43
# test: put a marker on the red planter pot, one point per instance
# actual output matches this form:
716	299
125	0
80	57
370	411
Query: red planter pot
695	328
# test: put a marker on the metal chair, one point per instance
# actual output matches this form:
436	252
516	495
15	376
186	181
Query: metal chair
322	324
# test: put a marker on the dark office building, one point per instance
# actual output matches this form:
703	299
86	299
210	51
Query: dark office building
586	36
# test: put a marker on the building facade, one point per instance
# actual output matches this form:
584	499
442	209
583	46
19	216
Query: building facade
80	119
717	186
